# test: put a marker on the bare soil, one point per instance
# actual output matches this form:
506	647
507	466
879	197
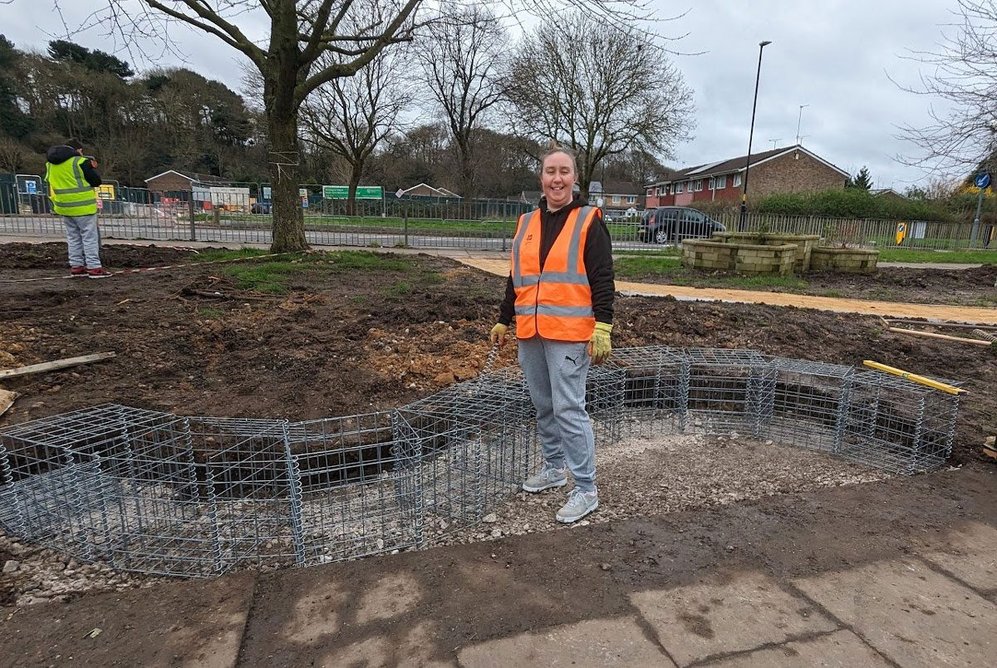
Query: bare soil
190	340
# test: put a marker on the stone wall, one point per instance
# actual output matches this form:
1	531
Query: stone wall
846	260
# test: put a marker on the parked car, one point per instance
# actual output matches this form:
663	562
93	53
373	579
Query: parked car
671	224
260	207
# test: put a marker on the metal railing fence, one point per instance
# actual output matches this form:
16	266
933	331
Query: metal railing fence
238	215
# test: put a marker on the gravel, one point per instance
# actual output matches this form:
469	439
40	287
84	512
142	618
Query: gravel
637	478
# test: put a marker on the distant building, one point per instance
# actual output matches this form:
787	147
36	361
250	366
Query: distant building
174	181
781	170
425	190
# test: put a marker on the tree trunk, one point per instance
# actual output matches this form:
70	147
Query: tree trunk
351	201
288	217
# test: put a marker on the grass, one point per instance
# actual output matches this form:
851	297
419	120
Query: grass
210	312
222	254
958	257
633	267
273	276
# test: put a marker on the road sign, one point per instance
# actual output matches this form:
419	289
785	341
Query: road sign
31	187
901	232
982	180
399	193
343	192
303	194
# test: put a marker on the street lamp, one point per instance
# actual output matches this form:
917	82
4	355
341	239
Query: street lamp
751	133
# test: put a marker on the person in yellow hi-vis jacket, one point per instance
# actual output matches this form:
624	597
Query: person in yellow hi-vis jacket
72	178
560	291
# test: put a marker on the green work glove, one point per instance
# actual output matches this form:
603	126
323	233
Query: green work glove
497	335
600	345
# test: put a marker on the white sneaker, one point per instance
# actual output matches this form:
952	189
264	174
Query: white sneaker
578	506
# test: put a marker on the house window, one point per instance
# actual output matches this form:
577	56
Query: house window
712	183
698	184
678	188
721	182
737	180
650	192
631	199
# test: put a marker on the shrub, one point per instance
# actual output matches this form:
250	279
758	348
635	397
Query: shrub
851	203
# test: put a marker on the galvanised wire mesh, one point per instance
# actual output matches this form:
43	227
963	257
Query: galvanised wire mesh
66	476
724	389
476	441
191	496
803	403
655	391
355	484
897	425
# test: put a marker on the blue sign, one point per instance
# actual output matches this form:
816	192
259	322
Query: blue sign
31	187
982	180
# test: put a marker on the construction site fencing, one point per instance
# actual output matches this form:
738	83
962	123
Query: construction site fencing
239	214
154	492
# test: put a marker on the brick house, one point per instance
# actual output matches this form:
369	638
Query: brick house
617	195
781	170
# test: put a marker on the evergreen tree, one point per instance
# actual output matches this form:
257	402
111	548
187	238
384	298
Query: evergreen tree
13	122
861	180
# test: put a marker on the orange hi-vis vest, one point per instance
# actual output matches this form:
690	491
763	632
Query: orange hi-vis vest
557	302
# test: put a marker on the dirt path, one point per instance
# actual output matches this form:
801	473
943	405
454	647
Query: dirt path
967	314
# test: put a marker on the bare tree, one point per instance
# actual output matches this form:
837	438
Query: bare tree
464	58
963	76
599	89
351	116
299	34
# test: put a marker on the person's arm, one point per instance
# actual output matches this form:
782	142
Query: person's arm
599	268
90	172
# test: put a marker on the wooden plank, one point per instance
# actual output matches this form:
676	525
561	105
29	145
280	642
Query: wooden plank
944	337
55	364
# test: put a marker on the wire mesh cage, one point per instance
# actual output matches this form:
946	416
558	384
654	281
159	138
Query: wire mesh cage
896	425
805	403
655	393
65	476
355	486
724	389
475	442
193	496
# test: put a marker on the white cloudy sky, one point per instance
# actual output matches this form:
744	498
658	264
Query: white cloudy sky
836	56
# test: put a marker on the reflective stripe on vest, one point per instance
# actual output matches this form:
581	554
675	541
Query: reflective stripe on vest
70	193
555	303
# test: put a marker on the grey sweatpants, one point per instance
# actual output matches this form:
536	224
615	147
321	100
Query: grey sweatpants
83	238
555	372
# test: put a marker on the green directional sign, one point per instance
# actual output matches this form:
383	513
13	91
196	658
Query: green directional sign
343	192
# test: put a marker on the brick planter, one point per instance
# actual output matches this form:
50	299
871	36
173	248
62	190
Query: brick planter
805	243
740	257
846	260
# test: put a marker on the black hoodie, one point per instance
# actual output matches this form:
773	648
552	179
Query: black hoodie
598	261
60	154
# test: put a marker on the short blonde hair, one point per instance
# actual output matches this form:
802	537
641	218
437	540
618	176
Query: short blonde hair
557	148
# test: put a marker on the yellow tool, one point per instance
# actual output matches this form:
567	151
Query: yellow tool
913	377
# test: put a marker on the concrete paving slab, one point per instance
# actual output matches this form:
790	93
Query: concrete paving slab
972	557
141	624
726	614
841	649
595	643
909	613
